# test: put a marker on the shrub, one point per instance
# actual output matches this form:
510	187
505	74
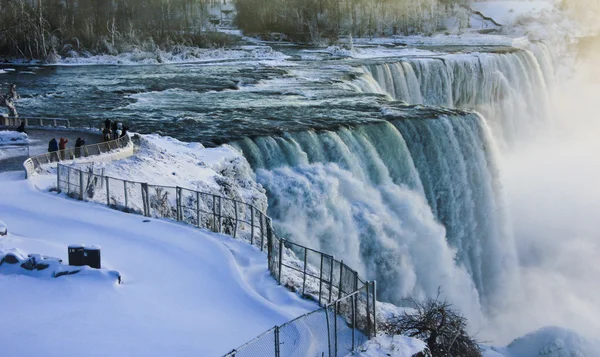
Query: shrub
437	323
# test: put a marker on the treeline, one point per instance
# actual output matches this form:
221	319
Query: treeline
41	29
315	20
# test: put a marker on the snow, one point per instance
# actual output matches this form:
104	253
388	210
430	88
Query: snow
393	346
41	266
13	138
3	228
184	55
185	291
169	162
548	342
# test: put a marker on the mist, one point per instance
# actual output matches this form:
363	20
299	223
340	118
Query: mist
552	191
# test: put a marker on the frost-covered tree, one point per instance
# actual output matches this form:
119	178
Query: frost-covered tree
37	28
311	20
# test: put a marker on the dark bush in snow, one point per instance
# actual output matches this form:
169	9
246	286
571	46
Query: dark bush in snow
437	323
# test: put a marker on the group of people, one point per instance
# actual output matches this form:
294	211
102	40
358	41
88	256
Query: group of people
57	148
113	130
8	100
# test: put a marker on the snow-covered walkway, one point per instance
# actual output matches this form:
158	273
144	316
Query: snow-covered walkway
186	292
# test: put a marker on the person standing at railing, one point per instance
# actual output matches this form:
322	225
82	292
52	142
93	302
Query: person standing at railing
106	134
62	145
119	131
78	144
52	149
21	128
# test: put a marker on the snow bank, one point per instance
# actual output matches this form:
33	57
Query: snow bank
183	55
393	346
548	342
185	292
13	138
166	161
15	262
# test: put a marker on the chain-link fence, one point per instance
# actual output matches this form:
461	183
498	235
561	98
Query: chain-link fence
335	330
317	275
200	209
34	163
348	313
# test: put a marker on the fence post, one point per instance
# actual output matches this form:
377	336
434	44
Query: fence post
330	277
369	331
280	260
320	279
328	331
220	214
269	230
57	178
214	213
198	208
144	188
374	308
125	191
269	243
178	202
277	353
353	301
107	192
252	226
335	331
68	180
235	228
80	185
304	272
341	280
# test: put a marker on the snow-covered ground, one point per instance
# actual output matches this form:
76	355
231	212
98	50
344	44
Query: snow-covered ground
12	138
393	346
166	161
185	292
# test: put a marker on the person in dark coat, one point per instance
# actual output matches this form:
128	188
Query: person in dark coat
78	144
52	149
107	123
113	129
62	145
106	134
21	128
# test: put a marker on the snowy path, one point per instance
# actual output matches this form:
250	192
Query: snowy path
185	292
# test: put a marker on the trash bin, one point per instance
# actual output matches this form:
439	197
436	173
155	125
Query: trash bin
76	257
92	256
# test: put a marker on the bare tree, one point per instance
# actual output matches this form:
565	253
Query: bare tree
437	323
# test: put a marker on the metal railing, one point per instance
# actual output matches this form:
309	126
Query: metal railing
335	330
37	121
313	274
34	163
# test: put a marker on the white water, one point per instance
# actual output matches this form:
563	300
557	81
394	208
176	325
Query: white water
509	89
362	195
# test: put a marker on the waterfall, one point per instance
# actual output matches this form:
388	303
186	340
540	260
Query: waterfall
378	196
509	89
